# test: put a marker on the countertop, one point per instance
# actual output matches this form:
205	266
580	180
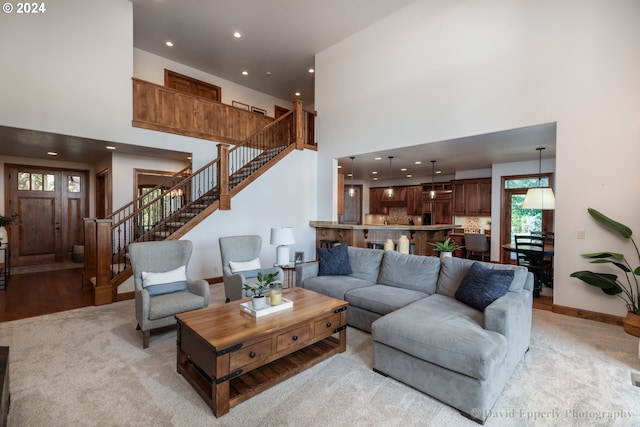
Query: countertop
331	224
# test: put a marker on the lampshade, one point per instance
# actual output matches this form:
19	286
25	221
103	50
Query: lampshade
282	236
539	198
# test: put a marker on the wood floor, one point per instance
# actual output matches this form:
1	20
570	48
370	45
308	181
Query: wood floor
35	294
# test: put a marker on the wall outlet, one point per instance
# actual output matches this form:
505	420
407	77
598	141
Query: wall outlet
215	270
580	234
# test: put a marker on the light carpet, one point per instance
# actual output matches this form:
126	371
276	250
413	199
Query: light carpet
86	367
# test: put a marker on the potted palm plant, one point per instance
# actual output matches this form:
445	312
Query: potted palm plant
258	300
629	290
446	248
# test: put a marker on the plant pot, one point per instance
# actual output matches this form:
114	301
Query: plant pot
446	254
259	303
632	324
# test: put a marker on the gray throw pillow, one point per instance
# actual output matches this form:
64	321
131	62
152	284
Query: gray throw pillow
334	261
482	286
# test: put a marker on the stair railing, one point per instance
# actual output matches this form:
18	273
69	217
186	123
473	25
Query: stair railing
160	212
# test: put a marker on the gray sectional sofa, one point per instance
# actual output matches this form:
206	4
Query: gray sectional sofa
423	334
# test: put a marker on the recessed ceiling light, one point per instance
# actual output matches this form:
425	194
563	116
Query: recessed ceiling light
374	172
437	172
110	147
409	175
403	169
311	70
169	43
245	73
297	94
417	163
52	153
375	178
268	73
339	166
237	35
188	157
377	158
349	174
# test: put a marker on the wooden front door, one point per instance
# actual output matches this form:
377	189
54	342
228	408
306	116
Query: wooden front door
51	204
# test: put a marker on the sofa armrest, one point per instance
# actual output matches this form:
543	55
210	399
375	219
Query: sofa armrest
306	270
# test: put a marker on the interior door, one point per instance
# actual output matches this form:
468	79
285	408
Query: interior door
51	205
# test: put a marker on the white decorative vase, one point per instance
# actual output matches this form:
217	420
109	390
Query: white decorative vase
4	238
389	245
445	254
403	245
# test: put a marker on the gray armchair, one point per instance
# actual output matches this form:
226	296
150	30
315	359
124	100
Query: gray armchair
244	250
158	302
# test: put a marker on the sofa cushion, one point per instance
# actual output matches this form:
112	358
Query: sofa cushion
365	263
382	299
170	304
334	261
454	269
482	286
419	273
445	332
334	286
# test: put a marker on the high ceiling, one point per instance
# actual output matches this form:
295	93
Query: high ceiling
280	38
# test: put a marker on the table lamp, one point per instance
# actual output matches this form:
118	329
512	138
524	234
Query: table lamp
282	237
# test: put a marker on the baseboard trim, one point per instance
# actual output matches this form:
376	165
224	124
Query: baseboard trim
586	314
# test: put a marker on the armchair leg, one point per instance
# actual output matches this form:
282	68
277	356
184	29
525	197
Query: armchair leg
145	339
227	300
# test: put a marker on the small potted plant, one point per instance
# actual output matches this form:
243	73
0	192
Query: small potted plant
629	292
446	248
258	300
4	222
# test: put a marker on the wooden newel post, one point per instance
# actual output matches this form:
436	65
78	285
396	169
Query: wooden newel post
90	252
299	124
102	292
223	177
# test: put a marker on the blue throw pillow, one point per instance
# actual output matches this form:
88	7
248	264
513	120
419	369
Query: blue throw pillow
334	261
482	286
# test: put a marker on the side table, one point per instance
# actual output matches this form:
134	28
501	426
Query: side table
289	274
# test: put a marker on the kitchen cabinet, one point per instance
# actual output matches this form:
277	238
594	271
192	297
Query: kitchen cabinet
440	207
414	200
472	197
375	201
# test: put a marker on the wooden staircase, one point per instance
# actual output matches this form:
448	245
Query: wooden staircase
184	200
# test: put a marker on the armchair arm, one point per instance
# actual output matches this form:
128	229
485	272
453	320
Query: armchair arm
306	270
233	284
200	287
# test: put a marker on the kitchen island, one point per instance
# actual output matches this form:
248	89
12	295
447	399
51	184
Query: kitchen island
362	236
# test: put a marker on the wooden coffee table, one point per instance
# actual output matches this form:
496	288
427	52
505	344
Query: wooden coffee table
229	356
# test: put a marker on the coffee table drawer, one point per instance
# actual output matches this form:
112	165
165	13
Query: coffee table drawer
250	354
326	327
292	338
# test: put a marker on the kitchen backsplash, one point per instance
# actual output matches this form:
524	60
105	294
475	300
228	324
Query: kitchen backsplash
397	215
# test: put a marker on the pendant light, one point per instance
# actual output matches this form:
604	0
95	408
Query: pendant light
539	197
352	191
390	189
432	193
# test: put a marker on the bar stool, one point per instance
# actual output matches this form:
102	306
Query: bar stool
327	243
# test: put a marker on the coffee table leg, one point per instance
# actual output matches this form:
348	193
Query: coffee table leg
220	392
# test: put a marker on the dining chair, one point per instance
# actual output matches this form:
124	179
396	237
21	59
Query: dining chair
530	254
476	243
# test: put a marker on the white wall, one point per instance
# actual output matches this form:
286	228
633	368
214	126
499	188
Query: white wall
444	69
